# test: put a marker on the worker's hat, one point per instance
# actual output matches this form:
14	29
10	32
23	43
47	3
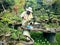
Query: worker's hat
29	9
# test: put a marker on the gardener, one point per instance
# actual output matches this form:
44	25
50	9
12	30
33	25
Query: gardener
26	15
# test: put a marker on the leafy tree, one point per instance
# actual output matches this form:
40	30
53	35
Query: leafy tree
6	4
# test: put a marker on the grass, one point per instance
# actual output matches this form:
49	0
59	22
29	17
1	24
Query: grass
58	38
39	39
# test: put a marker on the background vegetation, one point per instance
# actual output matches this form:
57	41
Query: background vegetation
47	13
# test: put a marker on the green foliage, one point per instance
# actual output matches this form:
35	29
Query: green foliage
21	10
57	7
10	18
4	28
49	2
14	34
40	40
17	34
51	25
11	2
6	4
44	17
39	10
57	37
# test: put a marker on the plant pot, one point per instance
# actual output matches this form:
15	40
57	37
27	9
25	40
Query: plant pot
50	37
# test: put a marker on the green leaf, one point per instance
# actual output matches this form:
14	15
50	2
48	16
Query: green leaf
49	2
